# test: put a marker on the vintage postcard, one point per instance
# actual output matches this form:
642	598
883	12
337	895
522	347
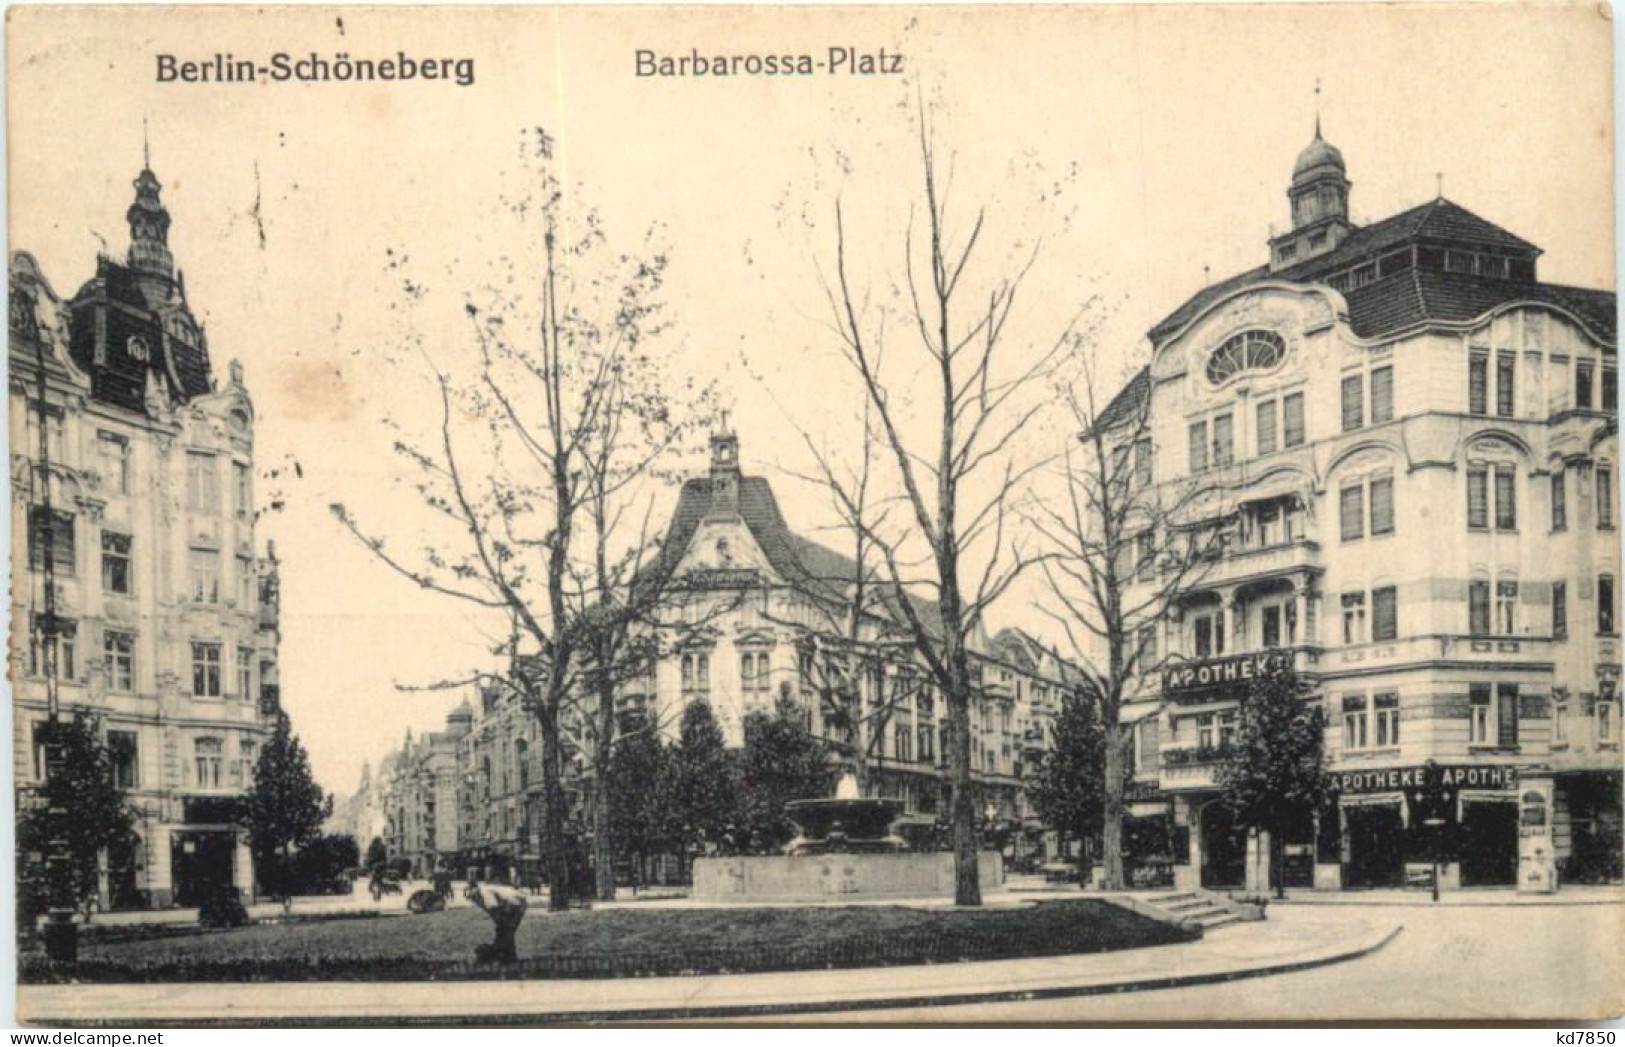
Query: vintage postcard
814	514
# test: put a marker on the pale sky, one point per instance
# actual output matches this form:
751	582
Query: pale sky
1146	143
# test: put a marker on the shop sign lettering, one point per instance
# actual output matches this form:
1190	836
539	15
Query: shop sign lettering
1222	672
1397	779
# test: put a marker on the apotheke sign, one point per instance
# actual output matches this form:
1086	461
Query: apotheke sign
1222	672
1397	779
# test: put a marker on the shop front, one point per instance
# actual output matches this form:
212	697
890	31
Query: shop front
1395	826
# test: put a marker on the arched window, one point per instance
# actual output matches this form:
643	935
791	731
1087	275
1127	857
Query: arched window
1256	350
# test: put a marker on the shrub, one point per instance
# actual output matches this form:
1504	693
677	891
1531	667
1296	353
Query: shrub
223	908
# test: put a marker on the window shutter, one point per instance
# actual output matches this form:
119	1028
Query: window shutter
1352	516
1382	394
1478	513
1198	447
1266	427
1353	408
1292	419
1503	385
1385	614
1382	506
1506	715
1478	608
1506	505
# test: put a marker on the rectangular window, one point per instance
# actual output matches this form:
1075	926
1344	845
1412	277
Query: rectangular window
927	737
1142	463
116	562
696	669
204	565
60	527
1583	370
206	754
1386	706
1560	610
1478	712
1292	431
1272	625
205	670
1605	496
1478	608
1354	618
245	673
1478	384
1605	722
65	644
753	674
1506	714
1605	604
243	500
1382	395
118	652
1353	403
1266	427
1355	722
1478	498
114	452
1557	385
1505	365
1147	646
1560	503
1385	613
245	582
202	483
1382	506
1610	389
1506	607
1352	512
1506	499
1560	723
248	755
1198	446
124	750
1224	451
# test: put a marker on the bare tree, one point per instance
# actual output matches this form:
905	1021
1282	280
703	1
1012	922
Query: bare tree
543	441
1120	551
958	478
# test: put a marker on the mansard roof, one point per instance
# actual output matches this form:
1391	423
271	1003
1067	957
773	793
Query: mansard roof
1407	298
116	293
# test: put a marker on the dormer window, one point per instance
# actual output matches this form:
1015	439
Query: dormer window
1247	351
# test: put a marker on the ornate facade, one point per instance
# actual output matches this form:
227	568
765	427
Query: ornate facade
1410	446
169	621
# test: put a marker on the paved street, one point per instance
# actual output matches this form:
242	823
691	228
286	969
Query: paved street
1467	963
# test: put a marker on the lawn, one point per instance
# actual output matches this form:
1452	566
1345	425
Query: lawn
619	943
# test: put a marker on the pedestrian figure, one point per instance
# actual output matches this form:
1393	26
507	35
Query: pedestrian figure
506	907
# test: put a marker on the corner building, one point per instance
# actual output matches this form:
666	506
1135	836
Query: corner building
1409	444
169	617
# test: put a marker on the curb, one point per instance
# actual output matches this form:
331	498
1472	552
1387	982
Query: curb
763	1010
1423	903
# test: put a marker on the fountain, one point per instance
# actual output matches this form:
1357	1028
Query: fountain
848	824
845	848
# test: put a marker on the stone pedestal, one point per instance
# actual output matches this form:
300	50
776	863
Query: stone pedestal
833	877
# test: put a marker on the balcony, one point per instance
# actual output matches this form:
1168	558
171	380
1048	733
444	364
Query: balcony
1242	564
1186	767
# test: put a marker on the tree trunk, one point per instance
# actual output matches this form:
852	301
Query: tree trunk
603	843
553	849
1111	829
967	881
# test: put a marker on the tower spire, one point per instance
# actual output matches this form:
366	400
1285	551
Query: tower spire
146	147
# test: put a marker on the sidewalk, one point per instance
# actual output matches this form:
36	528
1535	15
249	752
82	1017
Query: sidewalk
1297	941
1476	897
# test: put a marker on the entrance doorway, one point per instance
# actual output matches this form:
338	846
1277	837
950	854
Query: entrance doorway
1224	848
1489	844
1376	846
122	873
202	865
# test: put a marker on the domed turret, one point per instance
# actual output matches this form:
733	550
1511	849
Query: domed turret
1318	153
1319	195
